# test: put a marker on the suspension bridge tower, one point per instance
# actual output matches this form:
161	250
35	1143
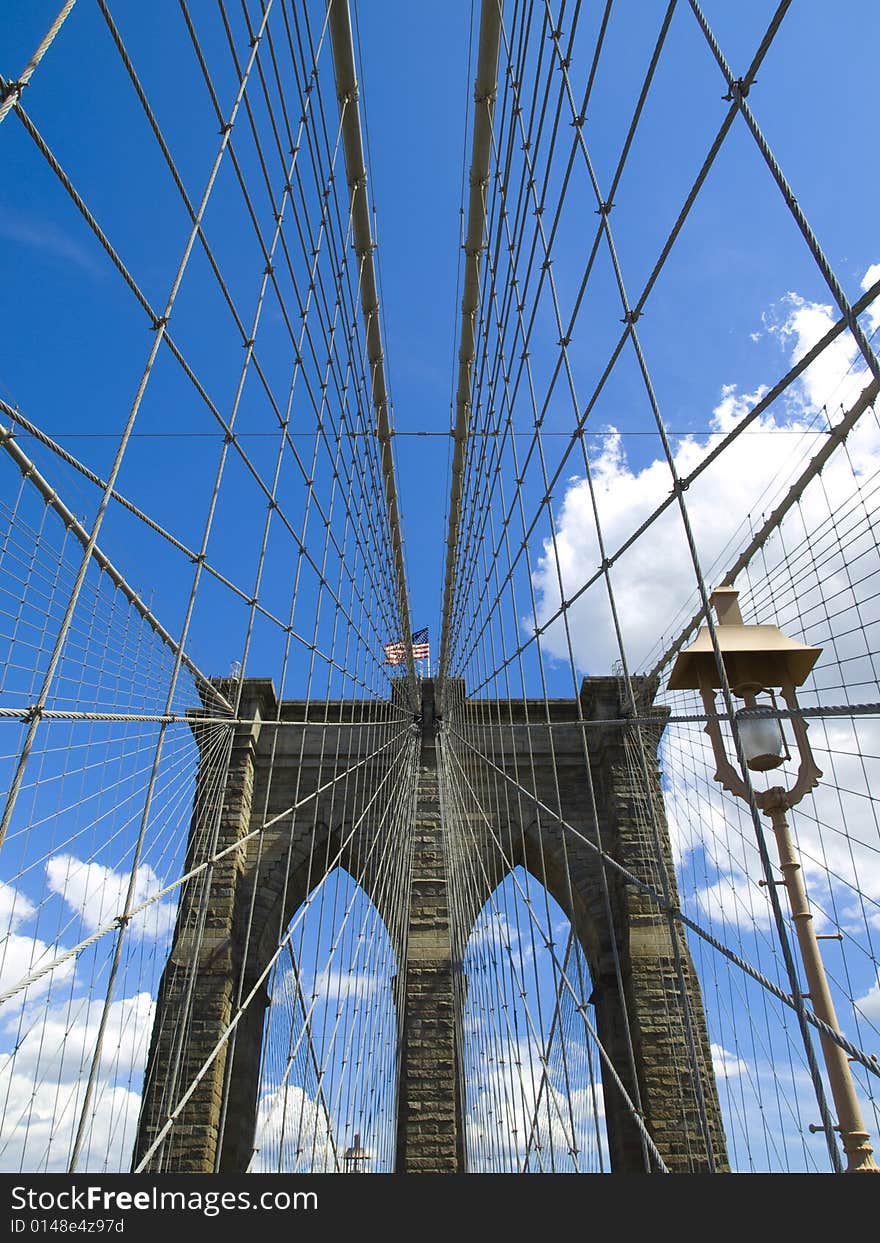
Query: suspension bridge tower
659	1089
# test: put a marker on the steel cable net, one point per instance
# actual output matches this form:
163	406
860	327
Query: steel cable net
228	522
587	529
196	599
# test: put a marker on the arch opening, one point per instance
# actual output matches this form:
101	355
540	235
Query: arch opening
531	1072
326	1099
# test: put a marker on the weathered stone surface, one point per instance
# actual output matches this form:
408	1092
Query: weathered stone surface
429	1132
638	964
581	764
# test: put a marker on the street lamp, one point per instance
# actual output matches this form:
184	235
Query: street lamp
355	1158
758	661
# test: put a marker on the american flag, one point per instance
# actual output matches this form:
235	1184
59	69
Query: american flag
395	653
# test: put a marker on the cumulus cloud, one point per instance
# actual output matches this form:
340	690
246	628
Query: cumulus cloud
828	596
42	1084
726	1064
518	1117
21	954
294	1135
735	899
837	376
493	932
531	1102
835	831
337	985
48	1032
15	907
768	1107
654	581
97	894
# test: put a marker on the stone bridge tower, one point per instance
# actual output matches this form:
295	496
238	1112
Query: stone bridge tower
262	884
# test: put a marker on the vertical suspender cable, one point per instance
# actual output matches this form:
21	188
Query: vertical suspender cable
356	173
481	153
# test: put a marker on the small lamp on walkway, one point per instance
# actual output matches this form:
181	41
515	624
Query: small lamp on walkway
355	1158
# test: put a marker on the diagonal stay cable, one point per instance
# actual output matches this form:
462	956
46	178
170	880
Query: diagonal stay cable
609	861
68	954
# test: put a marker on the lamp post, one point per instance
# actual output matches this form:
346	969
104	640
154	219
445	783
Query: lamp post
355	1158
759	660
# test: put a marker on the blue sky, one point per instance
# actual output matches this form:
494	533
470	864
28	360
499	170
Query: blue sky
76	340
739	297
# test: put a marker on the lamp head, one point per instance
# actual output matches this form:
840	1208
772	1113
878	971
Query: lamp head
762	739
752	655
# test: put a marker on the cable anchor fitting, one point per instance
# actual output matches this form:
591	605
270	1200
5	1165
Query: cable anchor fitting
739	89
12	89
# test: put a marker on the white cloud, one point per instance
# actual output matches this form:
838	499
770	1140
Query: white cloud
735	899
838	375
333	984
294	1136
768	1106
834	829
827	594
42	1084
97	894
654	581
493	933
869	1005
64	1039
518	1117
15	907
726	1064
20	954
47	1119
654	584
